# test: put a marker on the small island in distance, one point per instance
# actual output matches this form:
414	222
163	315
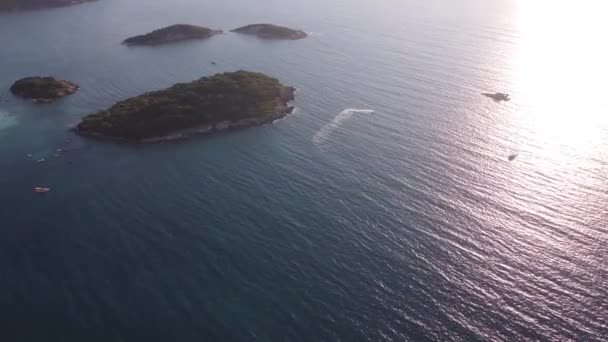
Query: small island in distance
15	5
215	103
269	31
498	96
173	33
43	89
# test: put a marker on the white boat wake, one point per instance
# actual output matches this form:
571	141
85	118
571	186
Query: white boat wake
324	133
7	121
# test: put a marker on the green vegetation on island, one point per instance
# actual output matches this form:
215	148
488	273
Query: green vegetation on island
13	5
269	31
171	34
214	103
43	89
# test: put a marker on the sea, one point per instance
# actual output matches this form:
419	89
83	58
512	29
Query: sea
383	209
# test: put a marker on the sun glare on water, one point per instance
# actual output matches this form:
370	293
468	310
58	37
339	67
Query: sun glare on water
560	69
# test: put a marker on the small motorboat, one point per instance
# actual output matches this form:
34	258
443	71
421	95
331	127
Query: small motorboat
41	190
513	156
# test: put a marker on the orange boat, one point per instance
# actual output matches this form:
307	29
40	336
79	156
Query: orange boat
41	190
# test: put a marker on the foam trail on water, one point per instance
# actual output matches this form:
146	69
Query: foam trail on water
326	130
7	121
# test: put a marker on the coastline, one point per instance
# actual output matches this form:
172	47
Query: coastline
45	6
223	126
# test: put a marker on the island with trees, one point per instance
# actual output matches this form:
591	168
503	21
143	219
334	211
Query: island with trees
215	103
172	34
270	31
43	89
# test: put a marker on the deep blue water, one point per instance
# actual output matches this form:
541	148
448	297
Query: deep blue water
402	222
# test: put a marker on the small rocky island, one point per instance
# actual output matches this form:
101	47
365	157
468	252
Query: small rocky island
43	89
498	96
173	33
215	103
269	31
15	5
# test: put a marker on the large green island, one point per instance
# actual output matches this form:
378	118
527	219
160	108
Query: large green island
210	104
15	5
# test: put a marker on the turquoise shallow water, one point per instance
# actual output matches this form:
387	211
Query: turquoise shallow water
384	208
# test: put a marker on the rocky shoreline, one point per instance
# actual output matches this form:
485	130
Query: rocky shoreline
221	127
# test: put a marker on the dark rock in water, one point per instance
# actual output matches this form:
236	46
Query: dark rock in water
43	89
513	156
172	34
43	101
269	31
498	96
15	5
222	101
